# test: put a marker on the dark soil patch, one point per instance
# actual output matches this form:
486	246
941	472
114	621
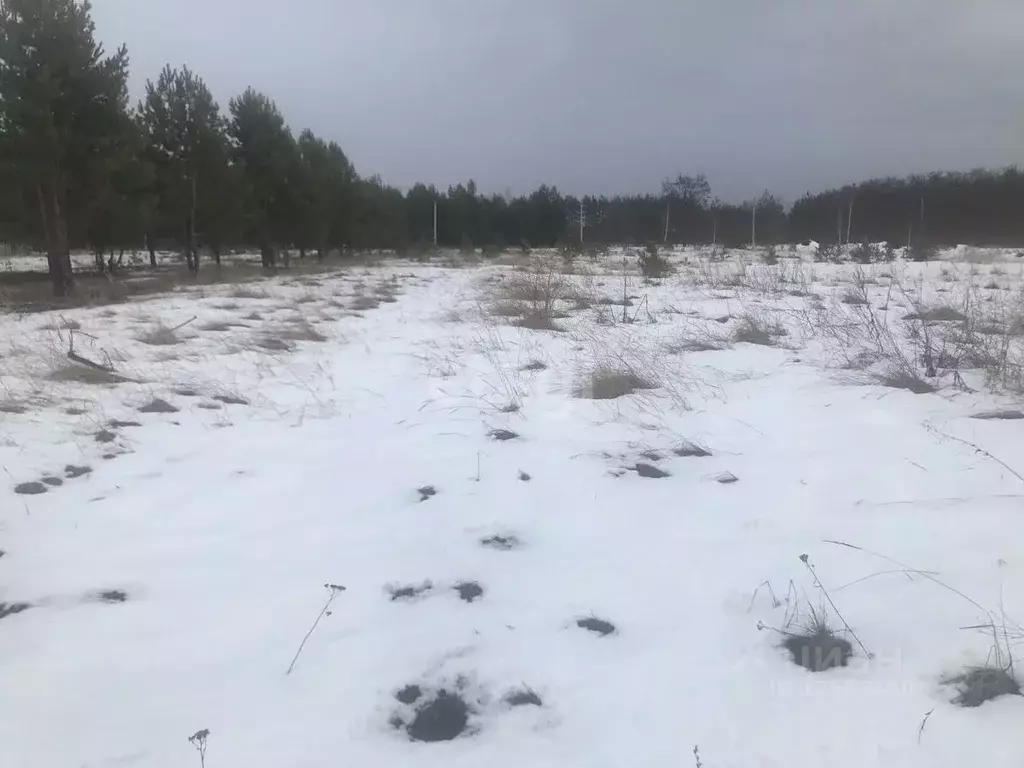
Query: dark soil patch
819	650
1009	414
33	488
118	423
976	686
105	436
409	591
211	406
525	477
502	434
112	596
649	470
156	405
409	694
691	450
599	626
443	718
71	471
273	344
231	399
51	481
185	392
904	380
504	543
469	590
426	492
523	698
9	609
727	478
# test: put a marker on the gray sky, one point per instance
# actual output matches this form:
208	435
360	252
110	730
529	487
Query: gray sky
601	97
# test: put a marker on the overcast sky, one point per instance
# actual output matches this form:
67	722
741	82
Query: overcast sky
604	96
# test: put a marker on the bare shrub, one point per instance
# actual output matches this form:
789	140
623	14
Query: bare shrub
758	329
653	265
531	294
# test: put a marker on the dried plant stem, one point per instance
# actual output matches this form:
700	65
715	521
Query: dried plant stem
334	590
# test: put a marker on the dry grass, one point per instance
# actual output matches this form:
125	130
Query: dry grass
609	384
159	335
79	374
759	330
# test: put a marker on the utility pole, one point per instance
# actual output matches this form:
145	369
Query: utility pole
849	217
753	224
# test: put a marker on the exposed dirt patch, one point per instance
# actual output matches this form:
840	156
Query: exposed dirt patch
523	698
186	392
726	478
410	694
105	436
691	450
52	481
502	434
442	718
118	424
156	405
71	471
976	686
596	625
32	488
231	399
9	609
503	542
1009	415
819	650
110	596
524	476
649	470
469	590
409	591
426	492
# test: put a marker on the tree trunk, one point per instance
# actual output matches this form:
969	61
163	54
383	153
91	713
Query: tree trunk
302	253
58	258
152	250
268	255
320	254
215	248
98	257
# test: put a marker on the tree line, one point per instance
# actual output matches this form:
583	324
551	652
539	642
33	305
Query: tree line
83	168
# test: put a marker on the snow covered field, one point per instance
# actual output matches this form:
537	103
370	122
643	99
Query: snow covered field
170	522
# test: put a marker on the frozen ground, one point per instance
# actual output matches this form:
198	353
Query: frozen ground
347	429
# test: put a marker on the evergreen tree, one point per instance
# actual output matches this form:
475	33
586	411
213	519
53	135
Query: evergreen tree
266	155
62	106
187	139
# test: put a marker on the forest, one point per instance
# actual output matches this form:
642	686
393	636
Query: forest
84	168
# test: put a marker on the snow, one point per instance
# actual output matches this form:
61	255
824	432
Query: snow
222	527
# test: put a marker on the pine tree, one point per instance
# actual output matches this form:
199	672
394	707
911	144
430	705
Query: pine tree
266	156
187	142
62	106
